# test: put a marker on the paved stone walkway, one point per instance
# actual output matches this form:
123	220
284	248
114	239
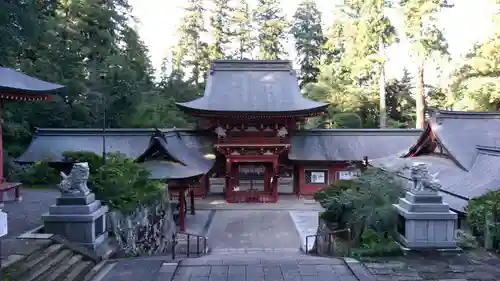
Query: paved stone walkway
263	267
426	267
24	216
285	202
253	229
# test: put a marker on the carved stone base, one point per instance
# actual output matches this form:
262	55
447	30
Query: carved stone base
79	219
425	222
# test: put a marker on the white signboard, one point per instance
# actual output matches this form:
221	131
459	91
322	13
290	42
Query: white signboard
3	224
347	175
318	177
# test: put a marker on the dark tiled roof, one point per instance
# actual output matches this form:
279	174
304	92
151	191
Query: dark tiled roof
461	132
12	81
185	162
457	185
252	86
50	144
350	144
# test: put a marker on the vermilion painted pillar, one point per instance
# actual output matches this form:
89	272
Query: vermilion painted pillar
275	181
229	182
191	194
1	144
182	209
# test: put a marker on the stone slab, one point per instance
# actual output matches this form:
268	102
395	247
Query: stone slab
75	209
424	198
264	267
134	270
70	199
240	229
99	242
450	215
75	217
306	223
423	207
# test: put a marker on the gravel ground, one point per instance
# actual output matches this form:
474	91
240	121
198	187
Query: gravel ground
24	216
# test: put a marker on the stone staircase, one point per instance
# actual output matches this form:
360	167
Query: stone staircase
55	262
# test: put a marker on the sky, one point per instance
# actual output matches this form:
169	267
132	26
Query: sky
469	21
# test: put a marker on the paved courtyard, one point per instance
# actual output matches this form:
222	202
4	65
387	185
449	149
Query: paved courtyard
253	229
24	216
260	243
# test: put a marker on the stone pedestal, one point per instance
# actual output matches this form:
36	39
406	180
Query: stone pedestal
425	222
80	219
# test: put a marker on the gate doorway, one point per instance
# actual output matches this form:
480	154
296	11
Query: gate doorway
251	182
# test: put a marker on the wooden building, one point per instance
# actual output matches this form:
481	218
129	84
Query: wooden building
461	150
249	146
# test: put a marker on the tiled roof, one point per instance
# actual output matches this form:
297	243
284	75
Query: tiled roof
350	144
461	132
12	81
185	147
457	184
265	87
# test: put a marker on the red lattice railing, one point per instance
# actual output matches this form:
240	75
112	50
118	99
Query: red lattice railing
253	140
251	197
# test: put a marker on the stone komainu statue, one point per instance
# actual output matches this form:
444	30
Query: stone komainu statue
76	182
422	179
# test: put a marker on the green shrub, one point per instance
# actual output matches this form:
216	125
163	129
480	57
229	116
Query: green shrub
364	205
479	208
121	183
38	173
124	185
95	161
330	197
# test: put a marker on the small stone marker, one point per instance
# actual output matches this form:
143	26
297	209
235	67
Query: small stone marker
3	224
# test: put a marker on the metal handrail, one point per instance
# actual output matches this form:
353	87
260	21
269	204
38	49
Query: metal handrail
188	251
329	235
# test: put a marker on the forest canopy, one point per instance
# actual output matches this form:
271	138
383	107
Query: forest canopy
93	48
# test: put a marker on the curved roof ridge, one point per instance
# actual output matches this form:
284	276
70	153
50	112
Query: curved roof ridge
341	132
93	131
493	150
440	113
248	86
461	132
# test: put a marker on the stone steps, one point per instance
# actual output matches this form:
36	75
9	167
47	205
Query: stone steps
55	262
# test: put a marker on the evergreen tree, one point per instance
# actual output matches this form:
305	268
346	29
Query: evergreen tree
309	40
377	29
425	39
241	26
221	24
191	52
271	26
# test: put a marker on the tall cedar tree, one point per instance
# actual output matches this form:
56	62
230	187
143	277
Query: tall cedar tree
191	52
425	39
379	33
309	40
242	31
221	24
271	26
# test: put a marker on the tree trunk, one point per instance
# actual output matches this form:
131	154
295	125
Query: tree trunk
382	93
420	97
